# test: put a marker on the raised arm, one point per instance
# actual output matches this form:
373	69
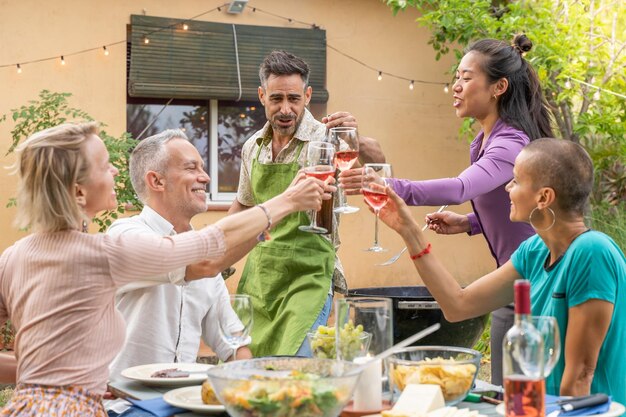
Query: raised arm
492	291
369	148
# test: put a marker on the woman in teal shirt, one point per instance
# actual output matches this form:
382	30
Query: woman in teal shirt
577	275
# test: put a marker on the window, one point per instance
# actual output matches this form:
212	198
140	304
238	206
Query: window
218	129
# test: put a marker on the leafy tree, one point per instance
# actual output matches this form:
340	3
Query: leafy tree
577	43
52	109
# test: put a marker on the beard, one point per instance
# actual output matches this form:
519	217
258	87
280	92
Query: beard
286	131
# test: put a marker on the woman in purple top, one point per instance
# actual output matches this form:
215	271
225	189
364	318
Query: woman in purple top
496	86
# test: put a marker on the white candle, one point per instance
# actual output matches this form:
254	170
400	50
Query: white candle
368	394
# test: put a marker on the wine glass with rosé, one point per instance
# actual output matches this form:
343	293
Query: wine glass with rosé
320	164
374	190
346	141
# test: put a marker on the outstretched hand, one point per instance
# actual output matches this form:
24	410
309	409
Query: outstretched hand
340	118
448	223
396	213
306	193
351	181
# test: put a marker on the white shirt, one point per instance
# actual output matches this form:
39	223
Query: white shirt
164	323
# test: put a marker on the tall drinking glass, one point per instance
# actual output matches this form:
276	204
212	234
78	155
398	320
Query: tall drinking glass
319	164
549	329
346	141
374	191
238	306
375	315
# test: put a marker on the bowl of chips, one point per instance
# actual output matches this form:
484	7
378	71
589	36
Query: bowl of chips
452	368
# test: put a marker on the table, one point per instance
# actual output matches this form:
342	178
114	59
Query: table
136	390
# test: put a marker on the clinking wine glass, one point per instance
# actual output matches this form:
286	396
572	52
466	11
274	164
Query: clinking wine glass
346	141
236	334
320	165
374	191
549	329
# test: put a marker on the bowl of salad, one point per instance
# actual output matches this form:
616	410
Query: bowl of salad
284	386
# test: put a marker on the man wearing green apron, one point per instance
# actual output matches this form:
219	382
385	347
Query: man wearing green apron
290	276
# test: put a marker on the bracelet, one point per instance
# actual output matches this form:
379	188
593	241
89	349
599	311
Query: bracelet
265	234
426	251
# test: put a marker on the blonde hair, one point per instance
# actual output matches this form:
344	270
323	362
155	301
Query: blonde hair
50	163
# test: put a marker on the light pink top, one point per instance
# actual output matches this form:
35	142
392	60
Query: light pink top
58	291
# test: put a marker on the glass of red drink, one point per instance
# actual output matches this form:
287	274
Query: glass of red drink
374	191
320	164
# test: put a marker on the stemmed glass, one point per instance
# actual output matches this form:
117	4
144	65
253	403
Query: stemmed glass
374	191
235	334
320	165
549	329
346	141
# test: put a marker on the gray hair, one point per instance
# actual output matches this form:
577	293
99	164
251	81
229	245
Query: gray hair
150	155
283	63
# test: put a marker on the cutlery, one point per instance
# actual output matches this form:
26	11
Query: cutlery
394	348
575	403
399	254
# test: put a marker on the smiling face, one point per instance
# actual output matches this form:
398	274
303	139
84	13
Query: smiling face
522	190
98	192
284	98
185	180
473	93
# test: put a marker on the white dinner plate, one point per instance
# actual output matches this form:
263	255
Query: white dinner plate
190	398
142	373
615	410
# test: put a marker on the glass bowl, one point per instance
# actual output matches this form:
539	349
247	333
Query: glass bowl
281	387
452	368
323	346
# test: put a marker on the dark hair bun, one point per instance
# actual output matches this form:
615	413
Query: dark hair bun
522	43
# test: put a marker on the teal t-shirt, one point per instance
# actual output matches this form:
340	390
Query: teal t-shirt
593	267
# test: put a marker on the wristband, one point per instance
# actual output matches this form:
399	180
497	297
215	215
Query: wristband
426	251
265	234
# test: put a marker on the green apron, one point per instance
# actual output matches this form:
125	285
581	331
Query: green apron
287	277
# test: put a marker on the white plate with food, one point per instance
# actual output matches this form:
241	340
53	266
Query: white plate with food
615	410
168	374
190	398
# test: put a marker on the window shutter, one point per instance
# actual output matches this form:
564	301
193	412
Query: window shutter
201	62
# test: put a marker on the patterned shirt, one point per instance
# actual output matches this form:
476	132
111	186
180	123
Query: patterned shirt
308	130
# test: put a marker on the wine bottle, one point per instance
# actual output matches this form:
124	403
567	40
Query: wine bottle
522	361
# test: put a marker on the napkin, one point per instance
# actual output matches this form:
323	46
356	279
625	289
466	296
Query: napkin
587	411
156	406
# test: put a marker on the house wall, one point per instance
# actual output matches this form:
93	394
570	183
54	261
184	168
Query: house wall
417	129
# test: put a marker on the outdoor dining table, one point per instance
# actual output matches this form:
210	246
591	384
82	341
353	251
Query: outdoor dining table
138	391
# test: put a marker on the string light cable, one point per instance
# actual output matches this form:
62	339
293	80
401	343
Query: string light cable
185	26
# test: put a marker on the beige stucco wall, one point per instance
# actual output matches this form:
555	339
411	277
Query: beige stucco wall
417	129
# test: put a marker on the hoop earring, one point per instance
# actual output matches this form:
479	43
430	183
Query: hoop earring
530	220
495	97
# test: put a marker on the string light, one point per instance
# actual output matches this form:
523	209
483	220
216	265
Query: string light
105	51
185	26
62	60
446	89
146	40
568	84
19	69
412	85
380	75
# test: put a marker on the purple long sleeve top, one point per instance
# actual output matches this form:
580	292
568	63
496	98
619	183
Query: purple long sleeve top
483	184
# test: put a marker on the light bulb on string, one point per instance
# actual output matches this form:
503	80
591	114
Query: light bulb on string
412	85
19	69
105	51
146	40
596	95
62	60
568	83
446	89
380	75
185	26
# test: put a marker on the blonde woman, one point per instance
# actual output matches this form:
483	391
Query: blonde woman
58	284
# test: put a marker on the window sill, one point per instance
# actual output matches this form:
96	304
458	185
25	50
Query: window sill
218	205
